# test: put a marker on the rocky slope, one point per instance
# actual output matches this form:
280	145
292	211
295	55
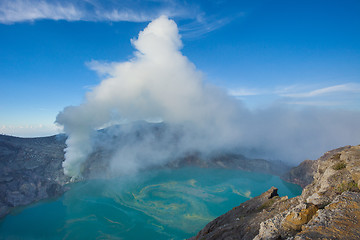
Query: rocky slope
303	174
30	170
328	208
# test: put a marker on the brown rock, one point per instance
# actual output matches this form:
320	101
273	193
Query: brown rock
295	220
339	220
351	159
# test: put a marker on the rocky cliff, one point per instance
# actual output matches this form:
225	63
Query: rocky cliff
328	208
30	170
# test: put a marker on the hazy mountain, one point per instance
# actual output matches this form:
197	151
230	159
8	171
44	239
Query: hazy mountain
31	168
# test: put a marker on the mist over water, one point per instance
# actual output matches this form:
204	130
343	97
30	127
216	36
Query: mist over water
159	84
162	204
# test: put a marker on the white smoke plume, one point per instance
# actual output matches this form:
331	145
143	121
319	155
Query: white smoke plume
160	83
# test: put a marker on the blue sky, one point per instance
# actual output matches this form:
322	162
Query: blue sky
297	53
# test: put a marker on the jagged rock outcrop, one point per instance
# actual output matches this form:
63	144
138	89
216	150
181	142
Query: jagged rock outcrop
242	221
30	170
338	220
328	208
303	174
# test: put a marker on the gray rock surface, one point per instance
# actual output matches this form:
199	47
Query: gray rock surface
303	174
242	221
338	220
30	170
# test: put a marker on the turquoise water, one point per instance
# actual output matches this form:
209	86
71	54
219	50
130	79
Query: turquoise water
165	204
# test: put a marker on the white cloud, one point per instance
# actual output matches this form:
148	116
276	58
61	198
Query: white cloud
345	95
241	92
343	88
30	130
197	21
29	10
203	25
158	83
12	11
316	103
119	15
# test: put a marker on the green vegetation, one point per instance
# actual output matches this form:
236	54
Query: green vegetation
349	186
268	203
339	166
336	156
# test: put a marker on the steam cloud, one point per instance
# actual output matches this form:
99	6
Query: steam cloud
161	84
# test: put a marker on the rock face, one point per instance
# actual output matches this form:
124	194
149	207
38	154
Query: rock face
328	208
245	217
338	220
30	170
303	174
